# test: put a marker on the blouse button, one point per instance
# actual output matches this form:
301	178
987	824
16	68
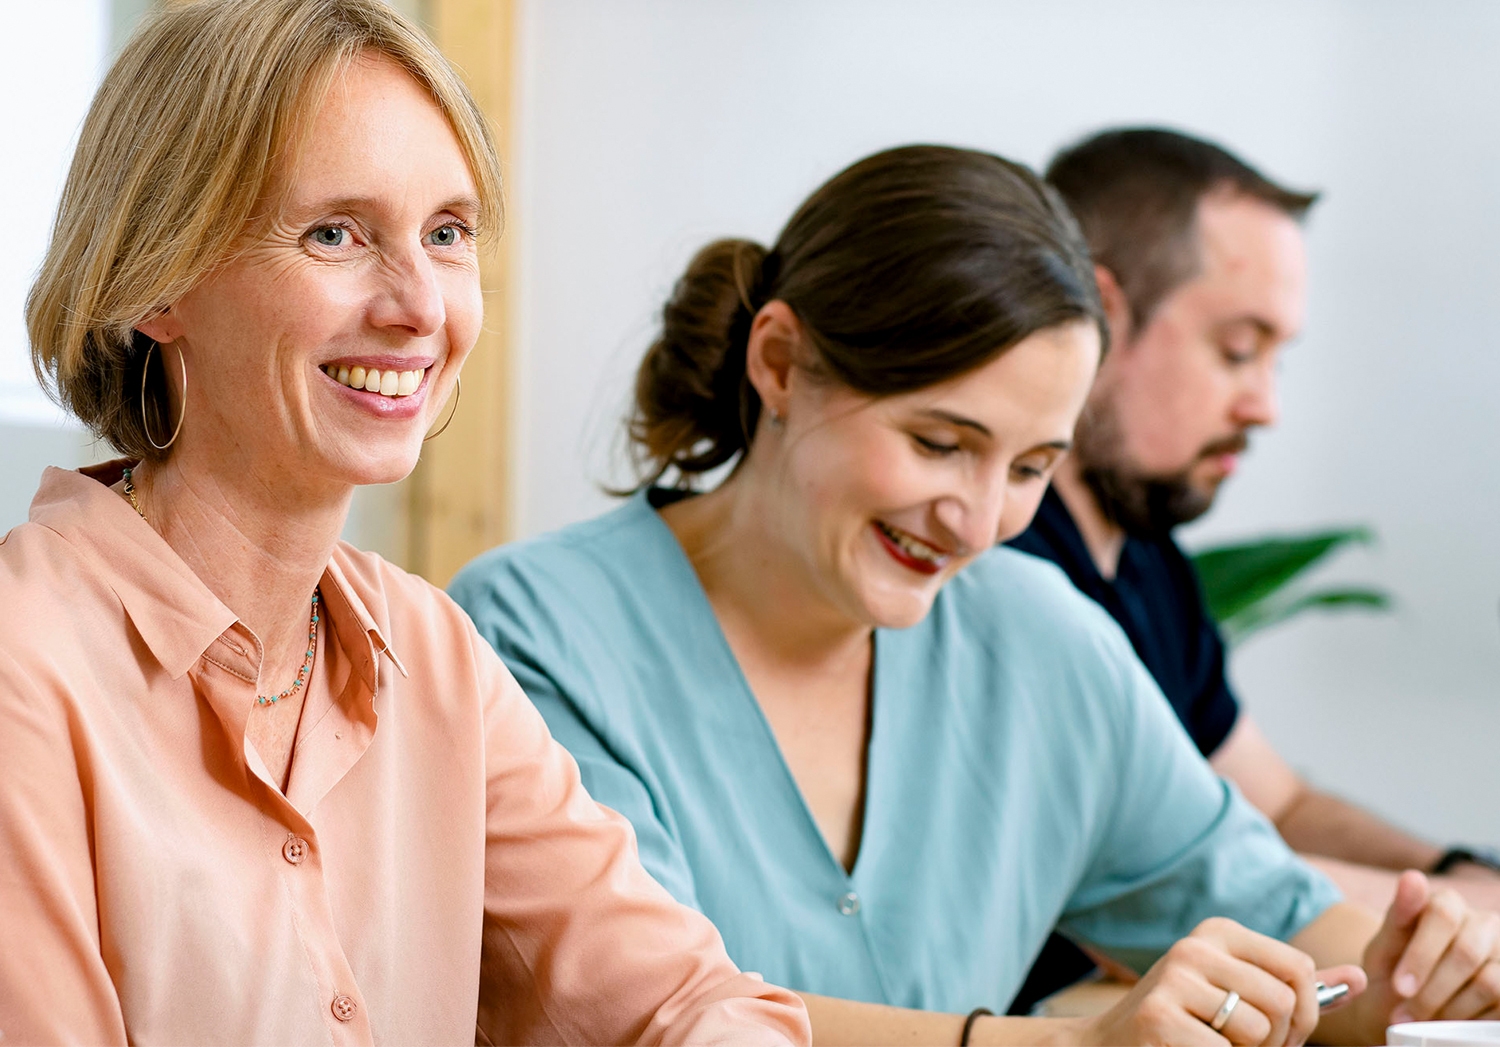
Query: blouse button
849	904
294	851
344	1008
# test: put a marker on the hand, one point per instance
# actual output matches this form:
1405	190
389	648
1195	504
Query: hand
1434	957
1180	995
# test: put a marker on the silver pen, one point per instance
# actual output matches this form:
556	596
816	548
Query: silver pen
1330	994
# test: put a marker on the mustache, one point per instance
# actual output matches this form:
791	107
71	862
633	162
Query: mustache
1239	443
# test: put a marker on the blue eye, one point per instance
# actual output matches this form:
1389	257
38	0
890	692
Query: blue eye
449	235
329	236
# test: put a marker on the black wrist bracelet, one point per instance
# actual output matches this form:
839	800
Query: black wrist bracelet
974	1016
1479	856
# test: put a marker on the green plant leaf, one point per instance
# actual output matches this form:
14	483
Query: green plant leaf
1237	577
1270	612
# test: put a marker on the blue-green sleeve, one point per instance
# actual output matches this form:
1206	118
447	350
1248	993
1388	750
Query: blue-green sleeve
1181	845
541	649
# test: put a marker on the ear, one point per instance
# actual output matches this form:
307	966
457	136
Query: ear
162	328
1116	306
774	347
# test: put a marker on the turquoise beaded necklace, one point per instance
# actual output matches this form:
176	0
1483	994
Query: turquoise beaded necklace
312	625
312	644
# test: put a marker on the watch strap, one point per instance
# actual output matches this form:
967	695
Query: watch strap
1479	856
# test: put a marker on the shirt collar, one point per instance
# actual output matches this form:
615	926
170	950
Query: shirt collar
176	615
1055	527
349	579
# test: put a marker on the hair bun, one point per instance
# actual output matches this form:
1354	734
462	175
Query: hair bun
694	407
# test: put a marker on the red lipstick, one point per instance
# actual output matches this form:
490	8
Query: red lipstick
901	556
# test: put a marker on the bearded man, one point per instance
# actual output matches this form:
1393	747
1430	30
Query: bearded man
1202	268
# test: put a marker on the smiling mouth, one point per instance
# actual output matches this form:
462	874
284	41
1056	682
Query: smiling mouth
386	383
910	551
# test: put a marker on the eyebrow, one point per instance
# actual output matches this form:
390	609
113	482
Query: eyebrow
957	420
1264	327
463	202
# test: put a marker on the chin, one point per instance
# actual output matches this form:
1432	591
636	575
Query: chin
898	611
380	466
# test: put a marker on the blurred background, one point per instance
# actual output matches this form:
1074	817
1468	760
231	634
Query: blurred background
636	130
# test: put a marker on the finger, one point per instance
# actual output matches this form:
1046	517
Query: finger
1436	930
1247	1024
1285	962
1472	947
1385	949
1349	975
1267	1005
1479	999
1294	1008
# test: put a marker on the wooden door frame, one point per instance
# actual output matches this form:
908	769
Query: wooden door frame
459	500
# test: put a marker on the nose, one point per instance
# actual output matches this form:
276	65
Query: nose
412	298
972	517
1257	404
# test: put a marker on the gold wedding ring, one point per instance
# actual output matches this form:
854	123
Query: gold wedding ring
1221	1017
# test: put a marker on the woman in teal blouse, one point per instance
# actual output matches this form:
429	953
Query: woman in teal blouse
883	756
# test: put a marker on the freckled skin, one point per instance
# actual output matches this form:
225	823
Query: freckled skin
359	261
382	165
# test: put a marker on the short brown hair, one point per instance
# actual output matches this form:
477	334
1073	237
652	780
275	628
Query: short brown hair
184	140
1135	192
910	267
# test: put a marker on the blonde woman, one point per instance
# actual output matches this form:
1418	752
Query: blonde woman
255	785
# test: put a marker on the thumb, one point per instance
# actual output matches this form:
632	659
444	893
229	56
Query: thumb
1347	974
1389	943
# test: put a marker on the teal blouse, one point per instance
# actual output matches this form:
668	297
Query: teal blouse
1023	772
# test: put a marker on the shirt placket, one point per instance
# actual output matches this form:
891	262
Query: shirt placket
289	838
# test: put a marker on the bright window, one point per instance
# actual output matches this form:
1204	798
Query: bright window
54	54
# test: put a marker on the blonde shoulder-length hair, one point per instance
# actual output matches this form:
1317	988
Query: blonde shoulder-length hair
183	143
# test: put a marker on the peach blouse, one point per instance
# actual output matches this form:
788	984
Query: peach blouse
433	873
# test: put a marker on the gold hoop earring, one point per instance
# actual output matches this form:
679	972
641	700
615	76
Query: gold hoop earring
181	414
458	392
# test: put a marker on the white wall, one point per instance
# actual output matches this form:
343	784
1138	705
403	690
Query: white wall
51	57
650	127
50	61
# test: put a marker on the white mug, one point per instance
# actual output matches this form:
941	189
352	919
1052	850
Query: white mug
1443	1034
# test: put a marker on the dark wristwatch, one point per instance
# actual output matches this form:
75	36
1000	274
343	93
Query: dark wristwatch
1480	856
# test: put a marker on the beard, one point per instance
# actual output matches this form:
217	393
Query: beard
1145	505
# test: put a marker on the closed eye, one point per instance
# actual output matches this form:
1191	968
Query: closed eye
933	447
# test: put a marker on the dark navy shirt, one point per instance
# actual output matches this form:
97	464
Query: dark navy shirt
1156	598
1157	601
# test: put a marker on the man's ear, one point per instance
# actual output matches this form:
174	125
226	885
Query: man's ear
162	328
774	347
1116	306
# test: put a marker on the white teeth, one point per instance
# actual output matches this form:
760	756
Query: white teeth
386	383
912	546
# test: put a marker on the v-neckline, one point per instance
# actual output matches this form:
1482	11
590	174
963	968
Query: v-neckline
752	707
